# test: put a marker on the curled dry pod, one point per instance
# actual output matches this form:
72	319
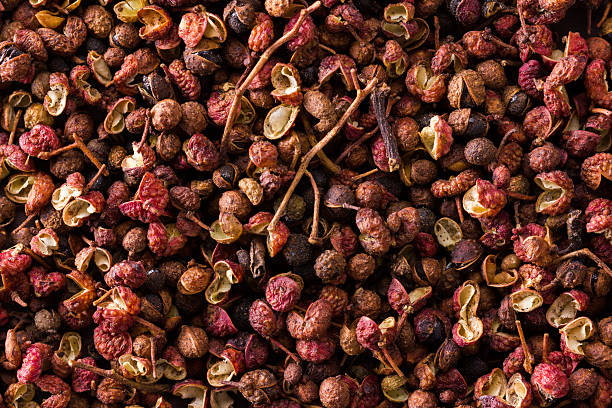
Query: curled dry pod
195	279
20	395
437	137
447	232
484	200
49	19
393	388
215	28
287	84
403	301
469	328
18	99
348	339
85	295
99	68
72	188
232	363
227	273
337	64
518	391
466	253
155	88
410	34
78	210
217	322
493	279
78	77
101	257
114	123
127	10
34	190
558	192
493	384
45	242
193	390
132	366
69	350
525	300
280	120
157	22
57	96
424	84
226	230
466	89
565	308
252	189
574	335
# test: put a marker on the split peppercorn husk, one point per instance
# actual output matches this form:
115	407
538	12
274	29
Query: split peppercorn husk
285	203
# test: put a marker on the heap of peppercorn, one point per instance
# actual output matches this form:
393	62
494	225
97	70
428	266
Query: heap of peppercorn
289	203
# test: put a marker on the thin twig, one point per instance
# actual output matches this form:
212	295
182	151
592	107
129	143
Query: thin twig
119	378
191	216
436	32
145	132
528	361
78	144
25	222
586	252
605	14
239	91
14	127
326	48
364	175
314	232
325	160
94	179
459	208
365	137
361	95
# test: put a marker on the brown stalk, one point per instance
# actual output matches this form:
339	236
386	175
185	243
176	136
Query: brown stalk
94	179
459	208
520	196
14	127
34	256
586	252
364	175
605	14
325	161
78	144
191	216
285	349
356	143
120	379
528	362
545	348
392	362
379	103
233	113
436	32
145	132
153	328
25	222
361	95
314	232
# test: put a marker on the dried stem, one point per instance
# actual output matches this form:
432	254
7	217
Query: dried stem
239	91
459	208
191	216
145	132
326	48
605	14
379	103
528	362
17	299
325	161
586	252
545	348
285	349
14	127
436	32
589	19
25	222
94	179
314	232
392	362
519	196
361	95
356	143
153	328
119	378
35	256
364	175
78	144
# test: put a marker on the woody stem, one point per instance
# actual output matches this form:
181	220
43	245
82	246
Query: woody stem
356	144
233	113
364	175
392	362
285	349
605	14
94	179
119	378
586	252
361	95
545	348
527	363
325	161
148	325
519	196
191	216
314	232
379	103
25	222
14	127
35	256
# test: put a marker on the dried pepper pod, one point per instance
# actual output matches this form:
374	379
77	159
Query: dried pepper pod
227	273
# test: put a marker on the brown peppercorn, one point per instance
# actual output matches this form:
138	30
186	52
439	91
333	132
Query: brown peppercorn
422	399
334	393
172	270
604	328
165	115
583	383
114	56
423	171
124	35
7	210
357	157
110	391
406	132
80	123
480	151
236	203
370	194
492	74
98	20
192	342
115	157
361	267
365	303
135	240
362	52
184	199
67	163
193	117
307	392
135	120
330	266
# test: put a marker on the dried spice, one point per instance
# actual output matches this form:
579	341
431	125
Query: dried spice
451	245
